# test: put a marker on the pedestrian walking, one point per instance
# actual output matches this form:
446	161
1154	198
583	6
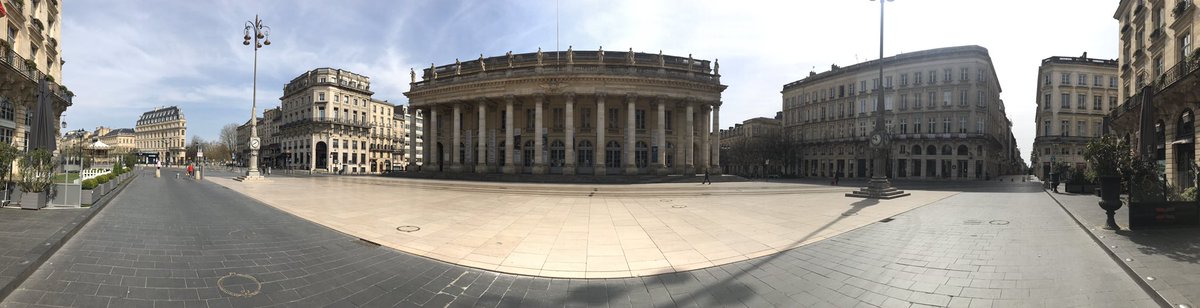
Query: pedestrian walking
191	170
706	179
836	177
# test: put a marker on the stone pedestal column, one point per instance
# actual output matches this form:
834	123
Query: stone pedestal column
569	155
455	158
412	139
509	168
716	140
433	157
481	156
661	139
689	167
705	149
601	127
539	162
630	162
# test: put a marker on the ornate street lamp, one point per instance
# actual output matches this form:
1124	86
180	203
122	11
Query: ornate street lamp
261	35
879	187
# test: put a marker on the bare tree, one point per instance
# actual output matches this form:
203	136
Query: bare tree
228	137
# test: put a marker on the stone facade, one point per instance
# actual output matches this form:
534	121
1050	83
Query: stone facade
30	53
1073	96
1159	74
570	112
943	113
161	134
410	132
748	148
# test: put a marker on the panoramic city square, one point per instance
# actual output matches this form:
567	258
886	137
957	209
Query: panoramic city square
599	154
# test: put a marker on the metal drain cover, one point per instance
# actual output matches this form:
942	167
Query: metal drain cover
664	200
972	222
998	222
408	228
678	206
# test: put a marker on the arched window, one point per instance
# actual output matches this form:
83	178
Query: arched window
1185	127
612	154
557	153
946	150
527	154
931	150
584	153
916	150
962	150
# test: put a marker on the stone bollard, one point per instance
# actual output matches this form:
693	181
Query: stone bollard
158	173
197	173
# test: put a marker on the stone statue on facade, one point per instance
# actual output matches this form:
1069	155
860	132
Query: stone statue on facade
539	56
412	75
690	61
457	67
509	55
433	70
661	61
600	54
570	55
482	66
716	66
629	56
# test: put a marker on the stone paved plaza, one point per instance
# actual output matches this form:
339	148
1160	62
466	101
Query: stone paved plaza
179	242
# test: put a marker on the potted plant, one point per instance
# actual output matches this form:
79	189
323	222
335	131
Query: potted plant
1109	158
1076	181
1154	203
89	194
35	166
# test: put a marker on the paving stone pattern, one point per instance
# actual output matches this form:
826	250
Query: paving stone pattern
167	242
24	235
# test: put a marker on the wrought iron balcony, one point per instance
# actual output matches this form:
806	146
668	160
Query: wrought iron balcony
28	69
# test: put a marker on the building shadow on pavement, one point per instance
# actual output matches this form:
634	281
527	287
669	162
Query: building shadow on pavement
1178	244
726	291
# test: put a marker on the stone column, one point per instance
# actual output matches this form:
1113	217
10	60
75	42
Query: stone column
412	139
569	166
661	138
539	162
434	155
705	150
689	168
601	128
630	163
455	158
716	139
481	158
312	150
509	168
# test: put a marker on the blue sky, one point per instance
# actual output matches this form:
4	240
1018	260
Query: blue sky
126	57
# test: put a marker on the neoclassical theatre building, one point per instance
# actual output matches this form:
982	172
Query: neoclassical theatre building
942	110
570	112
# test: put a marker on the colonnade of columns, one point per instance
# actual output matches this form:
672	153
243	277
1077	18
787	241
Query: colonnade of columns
631	154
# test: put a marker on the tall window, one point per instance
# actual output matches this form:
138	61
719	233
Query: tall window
1097	80
963	75
530	115
1046	128
612	118
962	124
559	117
1066	101
1081	128
1082	79
1065	128
668	121
1081	102
1185	46
1112	82
1097	101
946	76
903	126
917	101
6	110
1047	79
888	82
932	77
586	118
1112	102
903	101
979	125
932	99
962	98
640	119
979	99
1066	78
1046	102
945	124
917	125
904	79
946	98
917	77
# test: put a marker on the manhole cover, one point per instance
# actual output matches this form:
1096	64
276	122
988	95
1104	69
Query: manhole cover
972	222
408	228
239	285
664	200
998	222
678	206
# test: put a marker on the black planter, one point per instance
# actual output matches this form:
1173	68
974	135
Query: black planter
1110	199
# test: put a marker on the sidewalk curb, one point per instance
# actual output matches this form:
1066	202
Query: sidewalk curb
37	256
1158	298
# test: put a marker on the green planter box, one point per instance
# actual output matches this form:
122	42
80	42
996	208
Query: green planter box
1144	215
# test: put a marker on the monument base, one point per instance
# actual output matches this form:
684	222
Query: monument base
878	188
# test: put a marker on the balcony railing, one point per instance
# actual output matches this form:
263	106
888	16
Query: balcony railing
28	69
328	120
588	62
1179	71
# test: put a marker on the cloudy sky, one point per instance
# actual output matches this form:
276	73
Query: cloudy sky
127	57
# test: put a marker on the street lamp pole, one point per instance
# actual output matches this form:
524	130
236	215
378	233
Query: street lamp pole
879	187
260	32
